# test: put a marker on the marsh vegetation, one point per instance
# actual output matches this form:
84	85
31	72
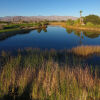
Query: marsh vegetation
33	74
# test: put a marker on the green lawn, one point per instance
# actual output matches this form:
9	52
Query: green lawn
8	30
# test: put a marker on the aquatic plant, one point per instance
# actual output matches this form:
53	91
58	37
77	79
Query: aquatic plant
38	75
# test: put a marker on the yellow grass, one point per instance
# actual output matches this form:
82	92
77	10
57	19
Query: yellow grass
38	79
86	50
52	82
75	27
62	24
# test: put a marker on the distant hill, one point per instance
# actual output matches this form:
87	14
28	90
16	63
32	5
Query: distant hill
37	18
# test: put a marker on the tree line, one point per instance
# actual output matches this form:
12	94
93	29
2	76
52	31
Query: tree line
89	20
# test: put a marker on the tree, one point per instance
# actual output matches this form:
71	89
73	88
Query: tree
81	13
94	19
81	20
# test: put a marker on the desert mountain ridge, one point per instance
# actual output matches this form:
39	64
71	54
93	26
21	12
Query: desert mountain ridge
37	18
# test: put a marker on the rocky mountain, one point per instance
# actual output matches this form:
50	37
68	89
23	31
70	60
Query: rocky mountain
37	18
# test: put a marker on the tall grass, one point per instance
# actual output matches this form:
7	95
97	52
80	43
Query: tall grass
86	50
38	75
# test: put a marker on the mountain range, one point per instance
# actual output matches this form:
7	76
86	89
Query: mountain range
37	18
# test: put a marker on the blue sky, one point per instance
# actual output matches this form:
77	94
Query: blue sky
48	7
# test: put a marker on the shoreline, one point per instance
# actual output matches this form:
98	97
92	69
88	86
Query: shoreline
21	30
82	28
4	35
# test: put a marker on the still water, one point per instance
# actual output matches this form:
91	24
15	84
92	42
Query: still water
53	37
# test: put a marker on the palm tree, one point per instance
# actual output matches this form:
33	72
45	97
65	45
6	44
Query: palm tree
81	16
81	13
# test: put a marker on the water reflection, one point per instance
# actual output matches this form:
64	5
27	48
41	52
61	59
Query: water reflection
69	31
45	29
80	35
4	36
56	38
83	34
89	34
40	30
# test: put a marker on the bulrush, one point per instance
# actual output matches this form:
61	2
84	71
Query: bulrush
86	50
37	76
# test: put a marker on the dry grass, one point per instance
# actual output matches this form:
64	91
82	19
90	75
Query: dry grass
36	78
62	24
51	81
75	27
66	83
86	50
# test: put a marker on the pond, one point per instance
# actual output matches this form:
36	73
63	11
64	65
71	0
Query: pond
53	37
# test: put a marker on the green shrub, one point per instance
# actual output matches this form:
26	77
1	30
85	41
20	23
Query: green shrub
93	19
89	24
70	22
77	22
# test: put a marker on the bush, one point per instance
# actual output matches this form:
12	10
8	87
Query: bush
77	22
93	19
89	24
70	22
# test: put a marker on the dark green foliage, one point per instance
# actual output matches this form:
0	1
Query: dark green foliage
70	22
94	19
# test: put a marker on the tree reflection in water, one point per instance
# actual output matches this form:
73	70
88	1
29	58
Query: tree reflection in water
81	34
40	30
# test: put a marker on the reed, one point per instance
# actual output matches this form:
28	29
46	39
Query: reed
38	75
86	50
